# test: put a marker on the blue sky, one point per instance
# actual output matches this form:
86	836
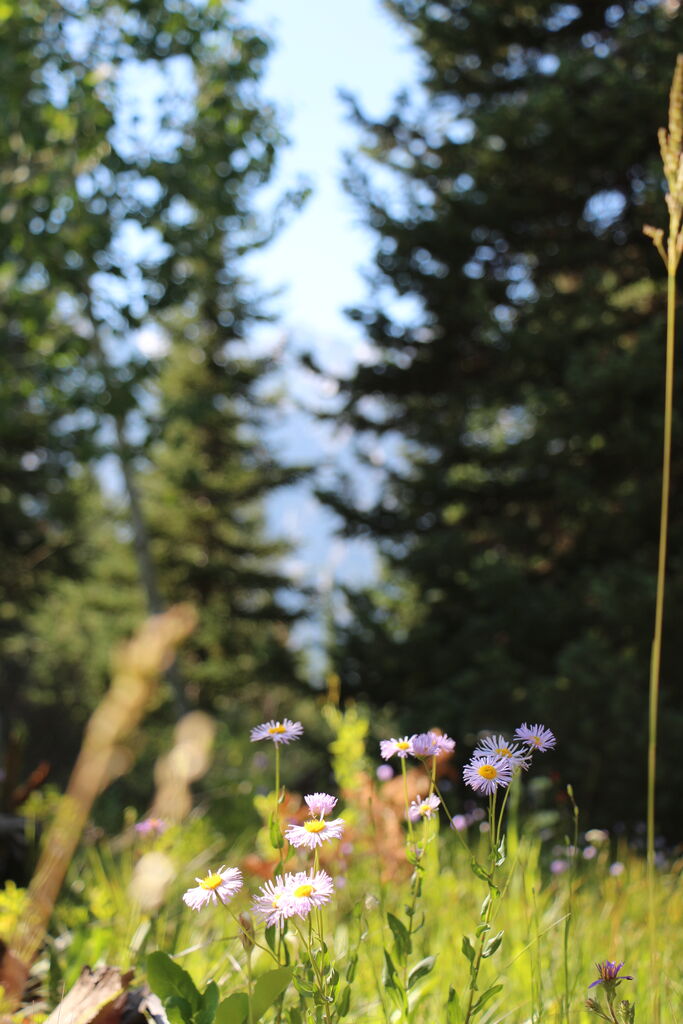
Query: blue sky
321	46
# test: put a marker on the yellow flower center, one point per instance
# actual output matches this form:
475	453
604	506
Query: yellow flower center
303	890
276	729
424	808
212	881
488	771
315	825
536	740
504	751
403	745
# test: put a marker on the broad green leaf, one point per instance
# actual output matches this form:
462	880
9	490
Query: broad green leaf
233	1010
344	1001
401	935
167	980
207	1010
421	970
467	948
269	988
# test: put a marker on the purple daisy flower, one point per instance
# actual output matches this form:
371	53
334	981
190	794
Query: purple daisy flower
609	974
537	737
486	773
499	746
217	885
278	732
431	744
321	804
423	808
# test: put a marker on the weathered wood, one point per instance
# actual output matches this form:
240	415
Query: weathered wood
102	996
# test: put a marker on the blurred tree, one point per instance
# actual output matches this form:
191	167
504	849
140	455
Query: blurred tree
133	144
204	501
517	388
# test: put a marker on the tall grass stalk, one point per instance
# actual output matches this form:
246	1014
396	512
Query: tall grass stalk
671	145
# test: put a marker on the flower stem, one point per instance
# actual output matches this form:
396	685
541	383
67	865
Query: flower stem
404	772
655	662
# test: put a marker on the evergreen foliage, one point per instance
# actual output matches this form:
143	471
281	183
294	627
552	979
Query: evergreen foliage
134	141
523	401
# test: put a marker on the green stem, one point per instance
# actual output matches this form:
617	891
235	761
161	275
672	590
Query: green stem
478	956
655	663
316	970
404	772
250	988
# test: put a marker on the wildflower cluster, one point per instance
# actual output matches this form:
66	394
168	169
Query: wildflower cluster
293	894
291	897
495	760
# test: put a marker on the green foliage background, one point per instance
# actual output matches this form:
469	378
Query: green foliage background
522	400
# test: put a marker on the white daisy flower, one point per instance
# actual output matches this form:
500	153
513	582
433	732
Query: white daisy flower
314	832
217	885
307	890
401	747
278	732
423	808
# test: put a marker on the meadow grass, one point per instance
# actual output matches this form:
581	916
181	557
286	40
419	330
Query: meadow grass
555	926
97	921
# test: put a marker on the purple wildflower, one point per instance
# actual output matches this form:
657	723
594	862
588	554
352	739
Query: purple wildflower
609	974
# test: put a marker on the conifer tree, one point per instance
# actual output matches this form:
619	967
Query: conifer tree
134	140
519	519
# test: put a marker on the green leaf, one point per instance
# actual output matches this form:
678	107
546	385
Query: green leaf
207	1010
401	935
421	970
479	871
178	1010
304	986
168	980
344	1001
484	998
271	936
492	945
390	975
233	1010
351	968
269	988
500	853
453	1007
467	948
277	840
